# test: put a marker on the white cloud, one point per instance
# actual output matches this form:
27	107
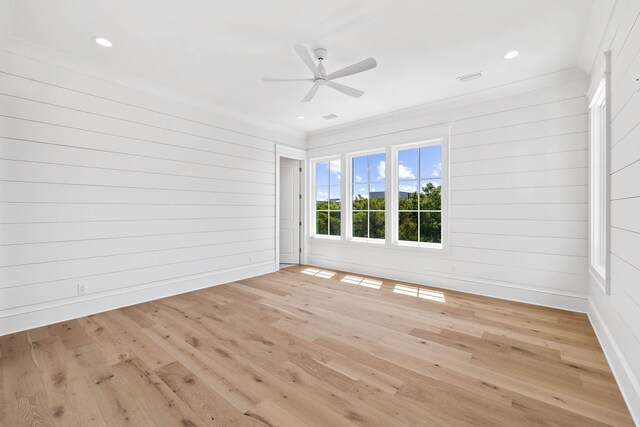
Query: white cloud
437	169
334	166
358	178
405	172
381	170
409	188
362	191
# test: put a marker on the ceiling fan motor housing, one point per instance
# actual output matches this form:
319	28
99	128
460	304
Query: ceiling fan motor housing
320	76
320	54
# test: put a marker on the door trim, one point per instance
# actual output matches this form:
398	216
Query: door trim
295	154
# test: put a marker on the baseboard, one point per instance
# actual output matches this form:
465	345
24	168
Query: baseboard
543	297
627	383
47	314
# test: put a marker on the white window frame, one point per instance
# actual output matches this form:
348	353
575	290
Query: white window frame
600	183
394	199
349	196
314	193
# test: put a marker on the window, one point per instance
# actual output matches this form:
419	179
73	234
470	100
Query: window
419	178
368	196
598	176
327	180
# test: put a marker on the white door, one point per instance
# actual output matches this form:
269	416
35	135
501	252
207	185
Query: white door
289	211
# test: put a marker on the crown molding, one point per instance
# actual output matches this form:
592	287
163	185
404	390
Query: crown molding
508	89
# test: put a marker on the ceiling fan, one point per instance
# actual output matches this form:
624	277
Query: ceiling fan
320	76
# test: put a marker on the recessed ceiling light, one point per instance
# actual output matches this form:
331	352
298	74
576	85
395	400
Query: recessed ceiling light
512	54
300	117
102	41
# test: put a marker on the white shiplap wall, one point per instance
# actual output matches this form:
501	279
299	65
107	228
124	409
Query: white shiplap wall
518	195
136	195
616	317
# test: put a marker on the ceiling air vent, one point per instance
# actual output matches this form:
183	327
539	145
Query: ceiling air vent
329	116
470	77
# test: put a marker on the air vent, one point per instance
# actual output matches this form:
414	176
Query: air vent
470	77
329	116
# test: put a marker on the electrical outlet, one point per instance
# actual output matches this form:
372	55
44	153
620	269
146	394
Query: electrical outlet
251	259
83	288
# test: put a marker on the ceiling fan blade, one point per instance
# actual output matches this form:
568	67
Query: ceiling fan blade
311	93
359	67
345	89
269	79
303	53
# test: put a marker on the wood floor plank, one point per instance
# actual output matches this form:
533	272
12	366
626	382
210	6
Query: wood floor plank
212	408
291	348
70	405
159	402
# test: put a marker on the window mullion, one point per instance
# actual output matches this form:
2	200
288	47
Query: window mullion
369	198
419	189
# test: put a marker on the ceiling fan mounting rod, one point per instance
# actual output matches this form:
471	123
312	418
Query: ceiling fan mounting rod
320	53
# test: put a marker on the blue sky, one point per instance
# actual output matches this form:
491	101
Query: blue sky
328	173
368	172
430	161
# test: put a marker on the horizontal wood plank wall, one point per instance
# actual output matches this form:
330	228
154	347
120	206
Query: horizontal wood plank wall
616	316
518	197
137	196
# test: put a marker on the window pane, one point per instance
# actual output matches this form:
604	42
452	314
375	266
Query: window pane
431	162
359	224
360	197
360	173
430	195
377	167
376	196
334	168
431	227
408	195
322	173
334	223
408	226
322	197
408	164
321	223
334	198
376	225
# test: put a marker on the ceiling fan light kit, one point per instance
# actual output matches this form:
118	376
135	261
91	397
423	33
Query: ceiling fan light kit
320	76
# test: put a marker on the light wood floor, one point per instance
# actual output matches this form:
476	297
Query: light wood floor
291	349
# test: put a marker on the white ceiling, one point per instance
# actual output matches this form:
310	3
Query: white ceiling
219	50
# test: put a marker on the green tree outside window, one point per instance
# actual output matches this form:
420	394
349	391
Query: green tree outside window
420	194
328	202
368	190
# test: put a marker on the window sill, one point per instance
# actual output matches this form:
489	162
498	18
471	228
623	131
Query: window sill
439	251
428	246
325	237
367	241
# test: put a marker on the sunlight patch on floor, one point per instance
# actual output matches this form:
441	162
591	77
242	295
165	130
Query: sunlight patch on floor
362	281
323	274
423	293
